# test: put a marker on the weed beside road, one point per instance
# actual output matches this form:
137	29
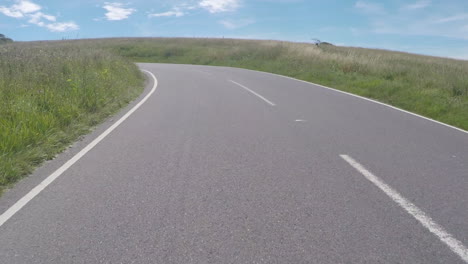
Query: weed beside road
433	87
50	94
53	92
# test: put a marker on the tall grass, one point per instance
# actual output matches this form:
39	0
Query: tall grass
50	94
430	86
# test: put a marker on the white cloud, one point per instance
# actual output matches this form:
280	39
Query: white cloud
40	19
27	7
401	22
217	6
24	9
20	9
61	27
117	11
37	17
212	6
368	7
10	12
459	17
229	24
175	12
418	5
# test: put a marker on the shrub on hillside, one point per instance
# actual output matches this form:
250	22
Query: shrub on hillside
4	40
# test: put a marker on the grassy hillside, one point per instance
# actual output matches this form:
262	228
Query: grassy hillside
430	86
50	94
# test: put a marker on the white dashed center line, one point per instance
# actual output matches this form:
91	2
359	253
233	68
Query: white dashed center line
254	93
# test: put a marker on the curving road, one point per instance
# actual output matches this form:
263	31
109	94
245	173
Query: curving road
223	165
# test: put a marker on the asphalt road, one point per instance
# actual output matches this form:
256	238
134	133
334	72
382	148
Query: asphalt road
224	165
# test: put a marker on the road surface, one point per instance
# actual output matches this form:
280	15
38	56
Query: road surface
223	165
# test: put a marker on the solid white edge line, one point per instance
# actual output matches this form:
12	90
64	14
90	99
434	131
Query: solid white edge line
254	93
358	96
455	245
52	177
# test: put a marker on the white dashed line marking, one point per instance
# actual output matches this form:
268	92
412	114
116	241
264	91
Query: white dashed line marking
254	93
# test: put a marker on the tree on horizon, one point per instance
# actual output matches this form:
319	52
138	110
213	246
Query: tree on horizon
4	39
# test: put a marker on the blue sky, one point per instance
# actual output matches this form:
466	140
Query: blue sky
430	27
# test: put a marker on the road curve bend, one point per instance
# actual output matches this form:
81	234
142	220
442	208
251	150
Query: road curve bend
223	165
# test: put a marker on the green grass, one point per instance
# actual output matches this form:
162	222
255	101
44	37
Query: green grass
53	92
430	86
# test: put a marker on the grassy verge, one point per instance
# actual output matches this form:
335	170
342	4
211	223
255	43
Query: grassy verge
430	86
53	92
50	94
